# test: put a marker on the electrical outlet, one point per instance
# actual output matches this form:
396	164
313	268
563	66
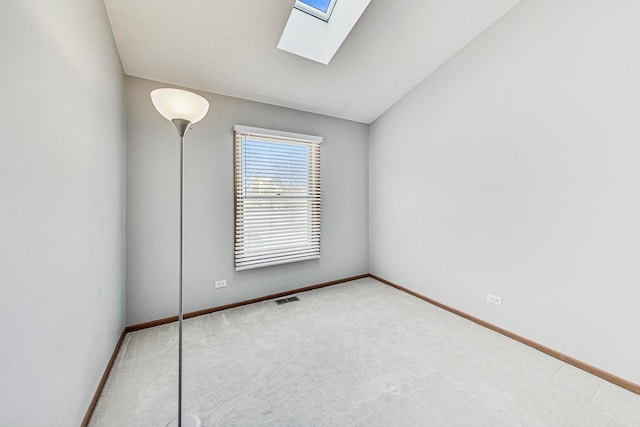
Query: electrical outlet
493	299
220	284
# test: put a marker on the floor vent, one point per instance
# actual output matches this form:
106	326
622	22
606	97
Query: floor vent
286	300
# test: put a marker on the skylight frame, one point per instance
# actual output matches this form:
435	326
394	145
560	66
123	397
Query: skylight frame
324	16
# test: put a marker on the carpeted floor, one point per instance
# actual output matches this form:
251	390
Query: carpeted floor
356	354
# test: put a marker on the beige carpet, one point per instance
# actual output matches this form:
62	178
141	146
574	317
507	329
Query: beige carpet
355	354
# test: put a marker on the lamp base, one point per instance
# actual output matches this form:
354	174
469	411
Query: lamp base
188	420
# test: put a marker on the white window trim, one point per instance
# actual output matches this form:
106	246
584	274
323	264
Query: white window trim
244	260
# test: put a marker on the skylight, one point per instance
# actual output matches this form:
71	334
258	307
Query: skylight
311	36
319	8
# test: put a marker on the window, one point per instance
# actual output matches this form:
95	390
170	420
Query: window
319	8
277	197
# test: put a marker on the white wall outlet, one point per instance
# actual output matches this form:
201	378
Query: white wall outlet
493	299
220	284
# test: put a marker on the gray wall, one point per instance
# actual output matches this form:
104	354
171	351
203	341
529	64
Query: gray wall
514	170
152	205
61	208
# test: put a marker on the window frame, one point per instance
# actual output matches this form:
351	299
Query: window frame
247	253
317	13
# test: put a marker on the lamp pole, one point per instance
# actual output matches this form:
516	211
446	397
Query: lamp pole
182	126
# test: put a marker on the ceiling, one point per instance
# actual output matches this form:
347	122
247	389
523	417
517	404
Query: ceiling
229	47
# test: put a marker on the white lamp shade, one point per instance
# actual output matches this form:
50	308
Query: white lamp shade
179	104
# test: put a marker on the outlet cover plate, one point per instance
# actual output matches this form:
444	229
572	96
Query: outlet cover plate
494	299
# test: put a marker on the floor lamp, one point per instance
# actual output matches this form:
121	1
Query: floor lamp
183	109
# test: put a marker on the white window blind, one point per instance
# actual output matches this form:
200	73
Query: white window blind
277	197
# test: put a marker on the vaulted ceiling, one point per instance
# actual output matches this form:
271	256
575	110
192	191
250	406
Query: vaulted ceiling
230	47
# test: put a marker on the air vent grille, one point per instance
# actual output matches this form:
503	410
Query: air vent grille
286	300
